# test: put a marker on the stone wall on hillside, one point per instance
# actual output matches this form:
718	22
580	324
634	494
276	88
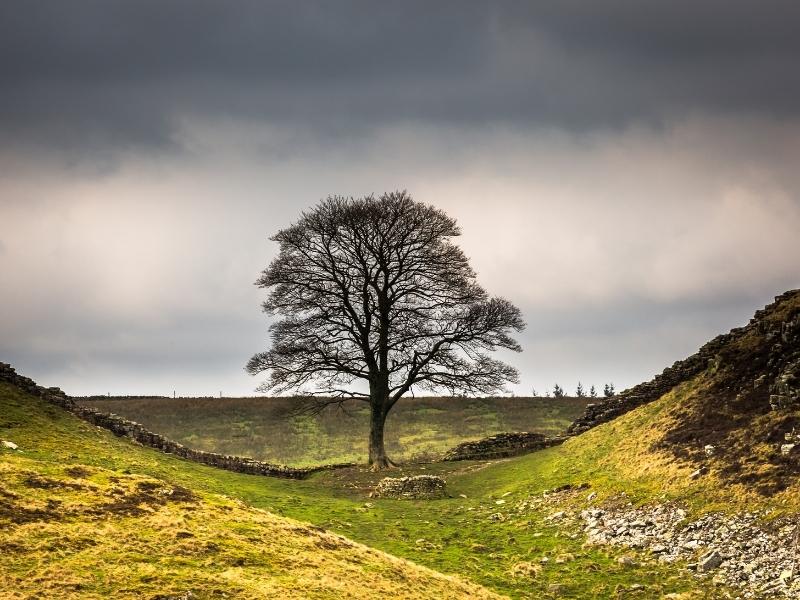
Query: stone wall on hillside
501	445
683	370
137	432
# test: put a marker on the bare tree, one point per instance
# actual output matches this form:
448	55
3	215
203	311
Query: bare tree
373	290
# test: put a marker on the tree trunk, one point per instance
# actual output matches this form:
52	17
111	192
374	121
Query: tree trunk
377	453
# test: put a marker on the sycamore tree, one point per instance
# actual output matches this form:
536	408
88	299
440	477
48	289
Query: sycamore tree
374	300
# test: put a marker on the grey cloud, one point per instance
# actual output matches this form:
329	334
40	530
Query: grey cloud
98	76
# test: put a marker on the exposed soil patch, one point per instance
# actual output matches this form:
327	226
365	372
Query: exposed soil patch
45	483
13	511
143	498
77	472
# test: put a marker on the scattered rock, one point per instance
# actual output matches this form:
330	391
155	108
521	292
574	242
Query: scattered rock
698	473
9	445
496	517
710	561
758	555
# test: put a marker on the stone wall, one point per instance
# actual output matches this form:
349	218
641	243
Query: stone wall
418	487
683	370
135	431
501	445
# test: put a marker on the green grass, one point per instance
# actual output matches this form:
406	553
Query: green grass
454	536
86	515
263	428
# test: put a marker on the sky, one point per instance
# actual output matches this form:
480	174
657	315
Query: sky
624	172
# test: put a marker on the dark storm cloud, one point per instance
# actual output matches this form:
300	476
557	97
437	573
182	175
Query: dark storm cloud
640	161
99	75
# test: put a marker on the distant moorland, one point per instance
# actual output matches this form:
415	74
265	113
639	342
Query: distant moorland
267	429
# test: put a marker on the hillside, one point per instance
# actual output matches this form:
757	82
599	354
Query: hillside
689	492
266	428
89	515
84	515
731	410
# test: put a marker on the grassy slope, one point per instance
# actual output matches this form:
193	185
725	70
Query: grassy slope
83	514
457	535
416	428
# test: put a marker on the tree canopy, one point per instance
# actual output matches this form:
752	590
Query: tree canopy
374	291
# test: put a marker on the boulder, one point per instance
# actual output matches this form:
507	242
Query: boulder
710	561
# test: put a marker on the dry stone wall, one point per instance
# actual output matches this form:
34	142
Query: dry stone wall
502	445
137	432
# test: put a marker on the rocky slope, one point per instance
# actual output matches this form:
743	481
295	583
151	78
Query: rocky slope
769	343
741	415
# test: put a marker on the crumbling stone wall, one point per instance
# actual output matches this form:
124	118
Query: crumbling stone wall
137	432
785	389
418	487
501	445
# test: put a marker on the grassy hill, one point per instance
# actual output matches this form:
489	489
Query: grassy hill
87	515
264	428
84	513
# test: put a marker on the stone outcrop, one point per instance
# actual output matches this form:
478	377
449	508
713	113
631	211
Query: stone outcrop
785	389
783	367
137	432
418	487
501	445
